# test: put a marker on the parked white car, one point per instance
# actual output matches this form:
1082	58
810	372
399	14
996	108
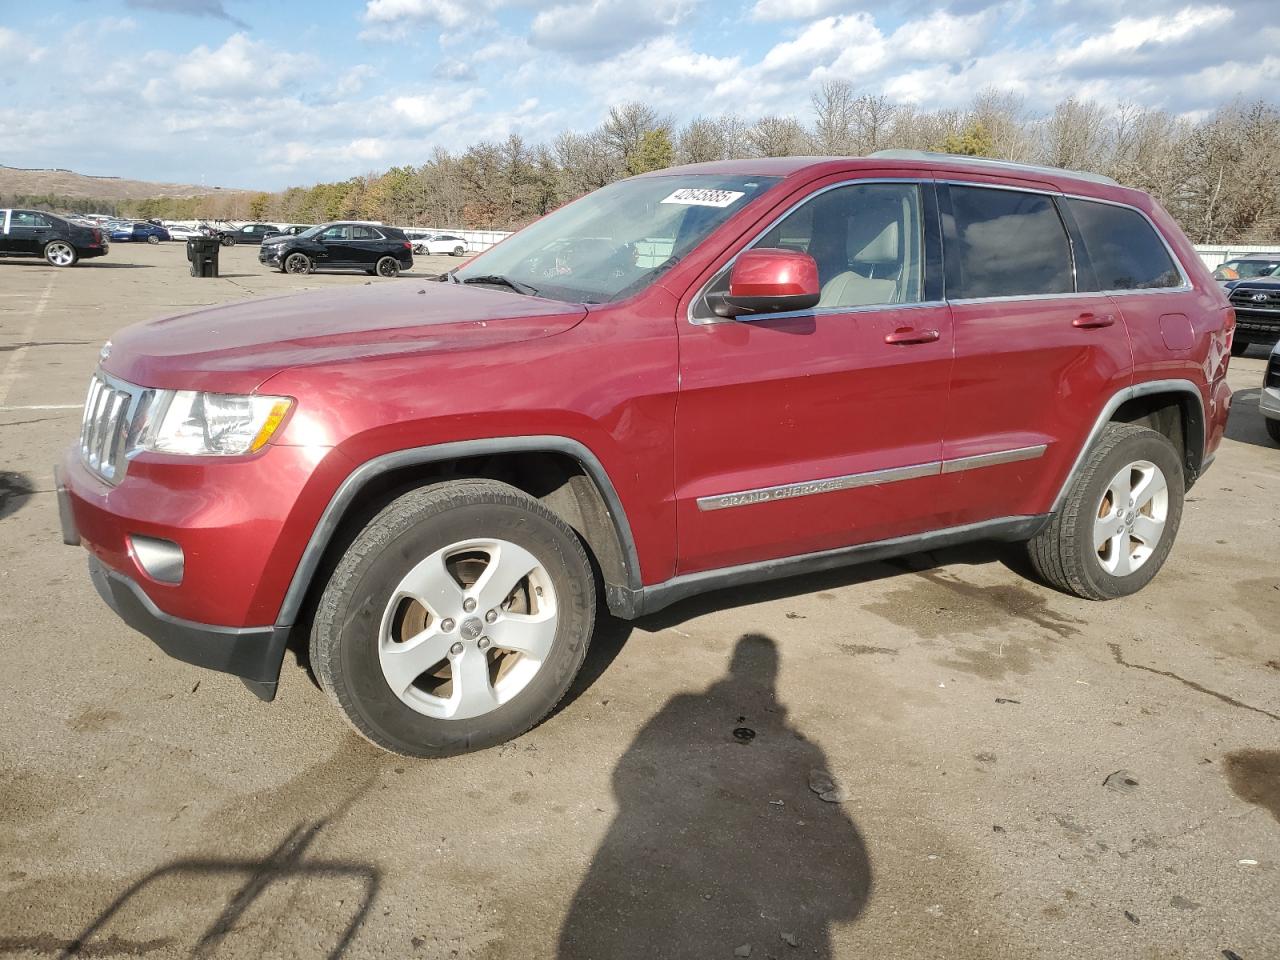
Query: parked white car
185	233
446	244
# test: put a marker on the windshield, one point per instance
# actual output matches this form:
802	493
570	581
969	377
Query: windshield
615	241
1246	269
311	232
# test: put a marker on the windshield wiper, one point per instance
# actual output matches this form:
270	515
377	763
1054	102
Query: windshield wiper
500	281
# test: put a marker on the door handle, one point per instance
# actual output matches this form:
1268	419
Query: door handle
1088	321
905	335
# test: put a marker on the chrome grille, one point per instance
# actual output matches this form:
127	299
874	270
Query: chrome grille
104	432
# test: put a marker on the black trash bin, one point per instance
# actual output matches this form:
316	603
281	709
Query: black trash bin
203	254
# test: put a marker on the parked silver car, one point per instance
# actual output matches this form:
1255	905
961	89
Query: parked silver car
1270	399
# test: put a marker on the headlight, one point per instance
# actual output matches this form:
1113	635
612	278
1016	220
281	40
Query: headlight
209	424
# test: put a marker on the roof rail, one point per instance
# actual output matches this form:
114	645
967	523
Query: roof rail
989	162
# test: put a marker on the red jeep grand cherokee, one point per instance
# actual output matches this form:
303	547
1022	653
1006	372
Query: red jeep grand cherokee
696	378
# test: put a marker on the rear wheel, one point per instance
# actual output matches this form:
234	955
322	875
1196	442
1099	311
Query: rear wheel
459	251
388	267
1118	522
152	238
1273	428
59	253
297	263
227	240
457	619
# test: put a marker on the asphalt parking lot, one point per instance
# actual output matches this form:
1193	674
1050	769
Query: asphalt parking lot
1025	774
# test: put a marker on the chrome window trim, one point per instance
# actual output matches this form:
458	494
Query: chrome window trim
1186	280
827	311
849	481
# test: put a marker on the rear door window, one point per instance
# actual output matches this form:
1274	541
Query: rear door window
1006	243
1124	250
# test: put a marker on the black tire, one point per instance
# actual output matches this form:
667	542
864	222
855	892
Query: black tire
388	267
459	251
60	253
1239	347
297	263
227	240
152	238
344	635
1062	553
1273	428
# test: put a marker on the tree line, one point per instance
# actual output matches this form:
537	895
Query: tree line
1218	175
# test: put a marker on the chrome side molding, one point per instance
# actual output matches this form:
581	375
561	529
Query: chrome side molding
808	488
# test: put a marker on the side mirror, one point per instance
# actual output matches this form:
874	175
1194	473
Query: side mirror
765	281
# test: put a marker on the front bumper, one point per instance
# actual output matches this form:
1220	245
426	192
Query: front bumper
1257	326
252	654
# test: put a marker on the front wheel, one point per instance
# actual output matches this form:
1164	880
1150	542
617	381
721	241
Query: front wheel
456	620
1118	522
59	253
388	267
297	263
1239	348
227	240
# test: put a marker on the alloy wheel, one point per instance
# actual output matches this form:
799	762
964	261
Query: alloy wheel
296	263
467	629
1131	517
60	254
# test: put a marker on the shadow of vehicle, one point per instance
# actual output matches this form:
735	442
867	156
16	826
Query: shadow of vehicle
15	491
1246	423
285	862
978	553
719	842
94	264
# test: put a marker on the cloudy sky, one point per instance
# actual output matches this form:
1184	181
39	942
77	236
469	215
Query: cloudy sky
270	93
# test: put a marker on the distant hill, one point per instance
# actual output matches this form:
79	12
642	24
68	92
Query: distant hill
66	183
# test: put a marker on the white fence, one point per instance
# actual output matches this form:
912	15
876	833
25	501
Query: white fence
1214	254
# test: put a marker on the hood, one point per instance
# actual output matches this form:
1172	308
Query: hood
1258	283
234	347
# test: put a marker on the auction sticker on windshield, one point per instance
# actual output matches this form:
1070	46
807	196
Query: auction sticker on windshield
701	197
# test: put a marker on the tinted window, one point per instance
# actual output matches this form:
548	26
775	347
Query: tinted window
336	233
866	240
1125	252
1007	244
364	233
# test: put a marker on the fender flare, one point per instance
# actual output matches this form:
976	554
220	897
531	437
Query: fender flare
350	488
1144	389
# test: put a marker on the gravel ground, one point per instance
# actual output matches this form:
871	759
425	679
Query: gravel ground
974	722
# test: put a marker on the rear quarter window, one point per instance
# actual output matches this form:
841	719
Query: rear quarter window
1006	243
1124	249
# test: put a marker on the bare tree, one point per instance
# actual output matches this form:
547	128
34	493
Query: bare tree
778	137
834	118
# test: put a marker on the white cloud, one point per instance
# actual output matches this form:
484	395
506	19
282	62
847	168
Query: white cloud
794	9
853	45
16	47
1130	34
598	28
942	36
448	13
239	67
432	110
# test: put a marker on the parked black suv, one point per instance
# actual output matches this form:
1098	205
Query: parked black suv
34	233
373	248
249	233
1257	304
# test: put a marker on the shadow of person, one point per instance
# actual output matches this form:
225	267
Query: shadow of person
718	842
